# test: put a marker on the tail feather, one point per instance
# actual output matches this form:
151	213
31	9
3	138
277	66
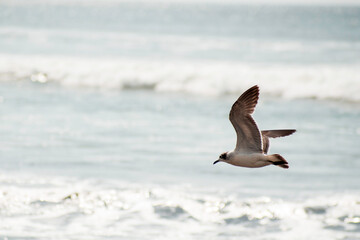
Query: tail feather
278	160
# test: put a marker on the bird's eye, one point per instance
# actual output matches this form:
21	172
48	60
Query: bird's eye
223	156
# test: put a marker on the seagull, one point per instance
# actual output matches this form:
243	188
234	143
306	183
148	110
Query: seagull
251	145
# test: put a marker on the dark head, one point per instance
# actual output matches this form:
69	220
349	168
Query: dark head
222	157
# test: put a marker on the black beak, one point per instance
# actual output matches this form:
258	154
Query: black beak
216	161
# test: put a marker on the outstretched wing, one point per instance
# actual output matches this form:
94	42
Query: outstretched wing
248	134
274	134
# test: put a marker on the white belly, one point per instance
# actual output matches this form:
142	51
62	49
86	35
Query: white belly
254	160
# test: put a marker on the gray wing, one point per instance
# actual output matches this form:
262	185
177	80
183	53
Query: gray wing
274	134
248	134
266	143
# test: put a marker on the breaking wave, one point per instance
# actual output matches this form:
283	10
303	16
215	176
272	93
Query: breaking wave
91	209
339	82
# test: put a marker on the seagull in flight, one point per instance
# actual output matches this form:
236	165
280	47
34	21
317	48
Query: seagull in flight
252	145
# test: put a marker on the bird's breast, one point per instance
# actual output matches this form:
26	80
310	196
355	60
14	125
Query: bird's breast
252	160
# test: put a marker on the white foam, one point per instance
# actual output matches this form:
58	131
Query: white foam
68	208
195	77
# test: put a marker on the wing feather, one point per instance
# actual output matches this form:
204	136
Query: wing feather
278	132
248	134
266	134
266	143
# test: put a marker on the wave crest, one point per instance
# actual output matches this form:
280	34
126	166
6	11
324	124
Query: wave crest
120	207
340	82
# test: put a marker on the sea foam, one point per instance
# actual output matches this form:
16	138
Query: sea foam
57	207
339	82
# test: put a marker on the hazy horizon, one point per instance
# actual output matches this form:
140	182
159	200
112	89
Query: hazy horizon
250	2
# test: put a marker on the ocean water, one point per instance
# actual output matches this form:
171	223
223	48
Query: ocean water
112	113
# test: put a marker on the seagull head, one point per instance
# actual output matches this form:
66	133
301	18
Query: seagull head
222	158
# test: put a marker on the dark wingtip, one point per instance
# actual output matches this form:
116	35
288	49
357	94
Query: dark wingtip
292	131
249	99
